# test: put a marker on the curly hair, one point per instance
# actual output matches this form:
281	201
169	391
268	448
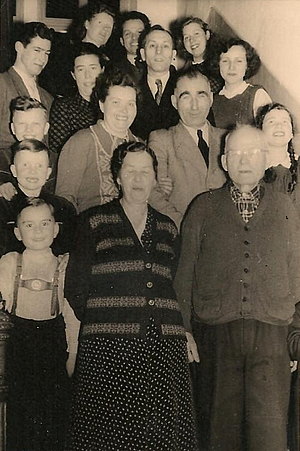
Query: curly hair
120	153
253	60
132	15
270	174
77	29
32	30
112	76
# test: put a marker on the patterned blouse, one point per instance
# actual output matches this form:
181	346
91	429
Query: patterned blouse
67	116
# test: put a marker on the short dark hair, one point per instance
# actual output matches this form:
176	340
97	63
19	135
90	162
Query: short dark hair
25	103
33	145
143	39
32	202
120	153
31	30
112	76
190	72
87	48
132	15
253	60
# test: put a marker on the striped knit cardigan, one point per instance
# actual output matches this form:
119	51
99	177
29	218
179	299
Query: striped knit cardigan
114	284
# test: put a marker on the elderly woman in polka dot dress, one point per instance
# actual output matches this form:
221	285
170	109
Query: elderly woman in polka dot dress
132	384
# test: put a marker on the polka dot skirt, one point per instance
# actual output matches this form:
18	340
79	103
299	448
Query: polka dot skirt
132	395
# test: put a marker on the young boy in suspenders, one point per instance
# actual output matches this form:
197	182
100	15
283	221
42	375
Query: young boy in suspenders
43	343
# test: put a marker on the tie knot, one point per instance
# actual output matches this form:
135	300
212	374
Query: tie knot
199	133
158	82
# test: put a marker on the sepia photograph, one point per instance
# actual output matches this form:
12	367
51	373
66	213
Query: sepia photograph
149	225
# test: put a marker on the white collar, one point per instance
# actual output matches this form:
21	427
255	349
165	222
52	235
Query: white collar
24	76
239	89
193	132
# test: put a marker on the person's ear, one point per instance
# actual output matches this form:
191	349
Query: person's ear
174	101
122	41
19	47
56	230
72	73
13	170
174	53
101	106
224	162
12	127
48	173
143	56
207	35
86	24
46	128
17	233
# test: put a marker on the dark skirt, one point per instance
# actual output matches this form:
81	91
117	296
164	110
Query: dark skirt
132	394
37	385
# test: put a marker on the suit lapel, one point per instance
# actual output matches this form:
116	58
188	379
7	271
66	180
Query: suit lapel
17	82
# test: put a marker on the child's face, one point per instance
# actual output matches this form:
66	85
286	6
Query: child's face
277	128
36	227
233	65
30	124
31	169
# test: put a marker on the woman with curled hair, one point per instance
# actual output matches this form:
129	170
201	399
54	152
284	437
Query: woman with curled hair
275	120
83	174
93	24
198	42
132	383
238	101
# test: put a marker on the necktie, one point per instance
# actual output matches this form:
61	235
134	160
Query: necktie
203	147
158	93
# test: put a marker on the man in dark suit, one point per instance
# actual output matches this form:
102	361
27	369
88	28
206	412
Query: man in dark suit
189	152
155	109
33	48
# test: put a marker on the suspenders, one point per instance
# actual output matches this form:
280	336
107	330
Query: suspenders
19	282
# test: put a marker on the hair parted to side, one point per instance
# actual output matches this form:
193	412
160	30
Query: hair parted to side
252	57
270	174
190	72
32	145
143	39
25	103
120	153
32	202
31	30
112	76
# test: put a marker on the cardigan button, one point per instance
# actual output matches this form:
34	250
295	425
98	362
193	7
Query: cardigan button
246	228
246	242
149	284
246	270
148	265
244	299
247	255
151	302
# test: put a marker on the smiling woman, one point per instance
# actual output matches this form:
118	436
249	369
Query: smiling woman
84	175
132	384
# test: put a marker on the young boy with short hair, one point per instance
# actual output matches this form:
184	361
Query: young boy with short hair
31	169
29	120
45	329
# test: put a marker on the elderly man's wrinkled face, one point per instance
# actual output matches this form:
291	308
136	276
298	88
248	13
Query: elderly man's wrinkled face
192	98
245	157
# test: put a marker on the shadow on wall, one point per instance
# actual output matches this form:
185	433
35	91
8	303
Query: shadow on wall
277	92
